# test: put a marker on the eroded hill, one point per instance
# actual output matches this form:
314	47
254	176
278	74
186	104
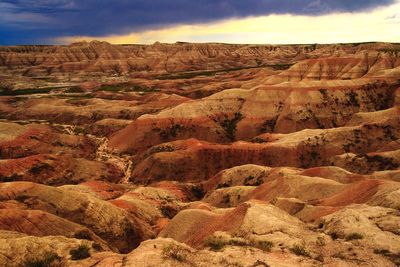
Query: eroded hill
200	155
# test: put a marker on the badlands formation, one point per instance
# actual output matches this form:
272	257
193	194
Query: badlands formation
200	155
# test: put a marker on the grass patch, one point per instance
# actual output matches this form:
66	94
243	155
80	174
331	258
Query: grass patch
354	236
80	253
299	251
48	259
263	245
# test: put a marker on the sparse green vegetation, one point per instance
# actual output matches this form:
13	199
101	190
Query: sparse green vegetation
170	132
174	252
96	246
334	235
223	185
353	101
215	243
48	259
339	255
300	251
354	236
253	181
258	140
239	242
168	210
162	148
40	167
80	253
229	125
226	199
263	245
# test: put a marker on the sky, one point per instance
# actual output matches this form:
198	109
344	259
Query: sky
227	21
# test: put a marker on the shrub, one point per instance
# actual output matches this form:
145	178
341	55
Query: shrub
299	250
215	243
238	242
223	185
381	251
334	235
339	255
264	245
354	236
252	181
258	140
395	258
320	258
174	252
46	261
80	253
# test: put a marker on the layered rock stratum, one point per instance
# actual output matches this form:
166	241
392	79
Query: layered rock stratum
200	155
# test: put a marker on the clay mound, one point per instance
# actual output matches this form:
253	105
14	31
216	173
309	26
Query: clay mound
184	227
373	117
251	221
22	141
364	191
39	223
378	227
297	186
20	250
247	175
98	189
387	175
56	170
370	162
107	127
333	173
120	230
229	197
86	113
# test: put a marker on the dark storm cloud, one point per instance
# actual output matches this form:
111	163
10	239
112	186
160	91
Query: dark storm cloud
25	21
